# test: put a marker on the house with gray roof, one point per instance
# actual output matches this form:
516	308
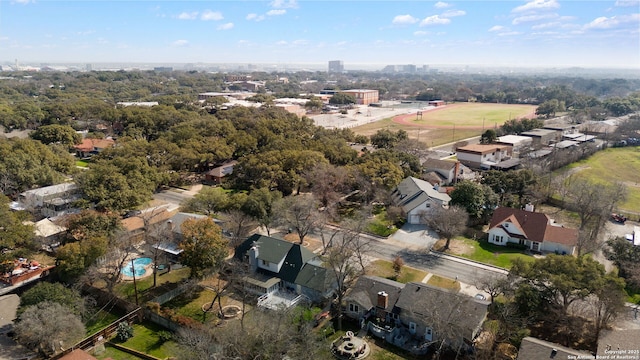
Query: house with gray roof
414	316
283	273
619	343
417	198
535	349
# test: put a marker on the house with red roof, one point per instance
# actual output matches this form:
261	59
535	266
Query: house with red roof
89	147
535	230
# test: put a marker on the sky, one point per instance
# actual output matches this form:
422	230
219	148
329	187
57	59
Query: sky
536	33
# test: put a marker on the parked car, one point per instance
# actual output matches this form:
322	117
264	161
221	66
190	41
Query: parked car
619	218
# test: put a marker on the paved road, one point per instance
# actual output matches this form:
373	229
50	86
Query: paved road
424	260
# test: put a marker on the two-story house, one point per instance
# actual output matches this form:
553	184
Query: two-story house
282	273
414	316
417	198
483	156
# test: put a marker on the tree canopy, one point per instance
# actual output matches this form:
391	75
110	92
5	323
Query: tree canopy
203	245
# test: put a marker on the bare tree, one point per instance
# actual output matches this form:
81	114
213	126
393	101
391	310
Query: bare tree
48	327
238	224
593	203
346	261
300	213
494	285
447	222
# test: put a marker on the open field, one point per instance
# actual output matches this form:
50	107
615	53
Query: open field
436	127
613	165
475	115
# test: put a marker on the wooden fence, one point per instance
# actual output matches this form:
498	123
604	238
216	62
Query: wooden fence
103	335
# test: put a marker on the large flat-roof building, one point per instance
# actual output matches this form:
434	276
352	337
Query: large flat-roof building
363	96
336	66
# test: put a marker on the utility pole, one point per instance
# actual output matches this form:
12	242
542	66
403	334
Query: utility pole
135	287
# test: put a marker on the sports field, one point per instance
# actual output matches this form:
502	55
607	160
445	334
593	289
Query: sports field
437	125
468	115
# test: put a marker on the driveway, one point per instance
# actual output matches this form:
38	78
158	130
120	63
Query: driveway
9	350
414	237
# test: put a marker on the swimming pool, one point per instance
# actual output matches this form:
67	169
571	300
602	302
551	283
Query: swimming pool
138	266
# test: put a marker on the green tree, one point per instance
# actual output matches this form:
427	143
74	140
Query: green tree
260	205
208	201
56	293
342	99
626	256
203	246
479	200
488	137
13	229
63	134
387	139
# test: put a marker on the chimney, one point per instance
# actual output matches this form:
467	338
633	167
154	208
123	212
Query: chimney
170	225
383	299
528	207
456	172
253	258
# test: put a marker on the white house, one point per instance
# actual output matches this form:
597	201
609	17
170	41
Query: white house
51	201
483	156
417	197
535	230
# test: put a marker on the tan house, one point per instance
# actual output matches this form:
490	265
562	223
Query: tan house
483	156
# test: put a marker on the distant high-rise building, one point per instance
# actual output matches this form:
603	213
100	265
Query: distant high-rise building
336	66
88	67
163	69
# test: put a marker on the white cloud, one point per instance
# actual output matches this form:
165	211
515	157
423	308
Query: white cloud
509	33
211	15
188	15
497	28
255	17
537	5
180	43
530	18
420	33
227	26
625	3
86	32
284	4
300	42
441	5
607	23
404	19
276	12
453	13
281	42
25	1
434	20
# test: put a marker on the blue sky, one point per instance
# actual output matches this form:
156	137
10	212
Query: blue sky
509	33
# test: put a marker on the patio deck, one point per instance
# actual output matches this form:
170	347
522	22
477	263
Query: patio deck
280	300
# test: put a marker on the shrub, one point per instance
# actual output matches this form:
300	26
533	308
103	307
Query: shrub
124	331
164	336
517	246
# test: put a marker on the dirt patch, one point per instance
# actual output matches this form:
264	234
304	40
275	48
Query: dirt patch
310	242
455	247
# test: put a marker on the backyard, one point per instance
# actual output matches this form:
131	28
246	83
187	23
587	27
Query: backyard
146	338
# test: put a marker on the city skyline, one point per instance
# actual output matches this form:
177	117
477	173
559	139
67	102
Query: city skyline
537	33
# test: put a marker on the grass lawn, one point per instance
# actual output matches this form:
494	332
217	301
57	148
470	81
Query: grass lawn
82	163
145	339
443	282
612	165
484	252
384	269
165	282
100	320
381	225
190	305
115	354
